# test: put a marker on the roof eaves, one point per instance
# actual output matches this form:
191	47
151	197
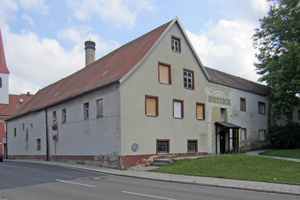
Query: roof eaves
195	53
149	52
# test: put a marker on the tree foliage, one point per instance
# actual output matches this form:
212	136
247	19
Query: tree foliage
278	42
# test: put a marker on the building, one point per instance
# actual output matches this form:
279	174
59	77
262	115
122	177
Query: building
9	103
151	98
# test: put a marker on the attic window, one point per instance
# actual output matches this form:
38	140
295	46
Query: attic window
176	45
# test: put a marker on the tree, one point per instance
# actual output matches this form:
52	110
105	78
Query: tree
278	42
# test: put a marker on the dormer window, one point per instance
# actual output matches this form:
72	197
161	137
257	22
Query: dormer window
176	44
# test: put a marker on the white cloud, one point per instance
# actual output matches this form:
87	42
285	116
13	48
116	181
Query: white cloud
260	5
36	62
227	46
28	18
116	11
37	5
11	5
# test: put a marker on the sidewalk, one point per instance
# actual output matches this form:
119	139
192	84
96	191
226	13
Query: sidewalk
141	172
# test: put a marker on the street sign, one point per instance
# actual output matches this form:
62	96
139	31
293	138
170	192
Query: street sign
54	121
55	138
54	127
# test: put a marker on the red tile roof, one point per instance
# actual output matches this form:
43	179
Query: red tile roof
237	82
108	69
3	67
14	104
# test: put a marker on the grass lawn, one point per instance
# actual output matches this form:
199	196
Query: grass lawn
236	166
287	153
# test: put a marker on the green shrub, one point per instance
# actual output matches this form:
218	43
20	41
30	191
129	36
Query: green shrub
285	137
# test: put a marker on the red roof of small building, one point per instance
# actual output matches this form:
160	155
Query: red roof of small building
15	103
3	67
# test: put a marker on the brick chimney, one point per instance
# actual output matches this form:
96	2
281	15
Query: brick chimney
89	52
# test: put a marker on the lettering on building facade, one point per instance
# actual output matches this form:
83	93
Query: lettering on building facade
218	95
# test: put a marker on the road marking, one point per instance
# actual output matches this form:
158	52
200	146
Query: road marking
146	195
74	183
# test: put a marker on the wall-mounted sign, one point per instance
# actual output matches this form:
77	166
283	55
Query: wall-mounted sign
55	138
54	127
219	100
135	147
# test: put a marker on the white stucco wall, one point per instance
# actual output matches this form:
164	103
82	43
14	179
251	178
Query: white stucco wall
93	136
144	130
251	120
35	123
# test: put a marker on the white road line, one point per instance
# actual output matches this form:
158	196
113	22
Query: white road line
146	195
75	183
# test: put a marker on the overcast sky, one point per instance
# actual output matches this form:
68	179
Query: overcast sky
44	40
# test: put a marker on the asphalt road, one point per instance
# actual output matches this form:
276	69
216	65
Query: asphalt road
34	181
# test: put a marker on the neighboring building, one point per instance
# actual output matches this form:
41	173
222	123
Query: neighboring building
148	99
9	103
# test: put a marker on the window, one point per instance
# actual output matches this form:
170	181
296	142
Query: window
15	132
243	104
261	108
151	105
38	144
100	108
86	110
262	135
188	77
164	73
64	116
0	82
178	108
200	111
176	46
162	146
243	134
26	134
192	146
23	126
54	114
223	114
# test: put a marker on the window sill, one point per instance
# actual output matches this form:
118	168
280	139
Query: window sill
189	88
151	115
178	117
201	119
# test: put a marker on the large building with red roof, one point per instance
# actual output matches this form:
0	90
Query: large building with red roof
151	98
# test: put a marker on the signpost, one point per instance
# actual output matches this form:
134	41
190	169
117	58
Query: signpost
55	134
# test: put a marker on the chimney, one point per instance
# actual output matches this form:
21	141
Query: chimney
89	52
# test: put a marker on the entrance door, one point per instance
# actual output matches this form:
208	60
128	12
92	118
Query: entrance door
4	153
222	142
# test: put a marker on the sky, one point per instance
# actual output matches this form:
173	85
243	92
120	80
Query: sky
44	39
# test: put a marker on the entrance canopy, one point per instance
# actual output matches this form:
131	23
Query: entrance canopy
224	128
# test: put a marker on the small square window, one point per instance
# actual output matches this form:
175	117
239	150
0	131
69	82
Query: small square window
164	73
243	104
176	46
151	105
192	146
38	144
262	135
261	108
86	110
243	134
162	146
178	108
188	77
64	116
100	108
200	111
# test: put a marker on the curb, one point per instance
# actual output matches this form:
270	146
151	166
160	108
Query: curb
164	180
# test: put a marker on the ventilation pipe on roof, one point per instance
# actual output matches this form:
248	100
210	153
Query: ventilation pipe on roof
89	52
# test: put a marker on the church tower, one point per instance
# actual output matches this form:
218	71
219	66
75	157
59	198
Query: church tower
4	73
